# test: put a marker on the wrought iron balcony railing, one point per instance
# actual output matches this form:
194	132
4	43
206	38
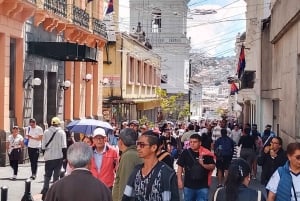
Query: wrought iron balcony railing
99	27
81	17
31	1
59	7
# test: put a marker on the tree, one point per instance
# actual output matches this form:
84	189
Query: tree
169	104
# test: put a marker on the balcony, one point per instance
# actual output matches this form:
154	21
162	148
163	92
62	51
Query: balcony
32	1
58	7
99	27
81	17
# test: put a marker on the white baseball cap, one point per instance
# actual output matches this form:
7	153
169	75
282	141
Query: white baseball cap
99	131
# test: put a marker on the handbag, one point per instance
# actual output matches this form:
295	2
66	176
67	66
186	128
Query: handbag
26	139
196	170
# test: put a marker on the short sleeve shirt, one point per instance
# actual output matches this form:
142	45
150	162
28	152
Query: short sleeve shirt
274	181
15	142
35	132
186	162
141	187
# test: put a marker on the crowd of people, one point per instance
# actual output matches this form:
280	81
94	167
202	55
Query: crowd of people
135	162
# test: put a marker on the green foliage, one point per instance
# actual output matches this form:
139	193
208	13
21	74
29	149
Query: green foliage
185	112
145	121
169	104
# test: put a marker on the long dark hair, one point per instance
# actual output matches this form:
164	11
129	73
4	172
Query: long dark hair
237	171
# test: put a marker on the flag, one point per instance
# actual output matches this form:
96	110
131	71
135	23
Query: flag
241	62
233	89
110	7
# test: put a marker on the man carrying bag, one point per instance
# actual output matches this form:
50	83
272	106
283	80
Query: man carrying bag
54	141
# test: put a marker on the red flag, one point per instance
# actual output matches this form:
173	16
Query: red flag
233	89
241	62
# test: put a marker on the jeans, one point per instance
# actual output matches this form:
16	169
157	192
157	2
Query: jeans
33	157
195	194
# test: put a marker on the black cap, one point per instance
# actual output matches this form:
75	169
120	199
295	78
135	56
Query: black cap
32	120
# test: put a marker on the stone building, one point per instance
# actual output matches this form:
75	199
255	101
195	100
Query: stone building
165	24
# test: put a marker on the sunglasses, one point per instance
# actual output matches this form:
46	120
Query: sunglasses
141	144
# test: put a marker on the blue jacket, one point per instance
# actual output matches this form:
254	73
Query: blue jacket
285	183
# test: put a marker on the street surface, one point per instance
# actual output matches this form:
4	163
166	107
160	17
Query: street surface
16	188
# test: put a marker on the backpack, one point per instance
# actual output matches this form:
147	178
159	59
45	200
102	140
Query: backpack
225	146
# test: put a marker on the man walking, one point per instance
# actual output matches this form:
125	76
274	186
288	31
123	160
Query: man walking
105	160
196	183
129	159
272	157
152	180
80	184
54	141
34	135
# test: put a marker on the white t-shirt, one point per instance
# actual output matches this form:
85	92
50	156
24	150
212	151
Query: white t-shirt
14	143
35	132
236	135
274	181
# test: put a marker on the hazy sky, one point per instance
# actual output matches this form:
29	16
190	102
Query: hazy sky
213	33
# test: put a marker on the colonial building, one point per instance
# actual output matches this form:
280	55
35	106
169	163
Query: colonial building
131	75
51	60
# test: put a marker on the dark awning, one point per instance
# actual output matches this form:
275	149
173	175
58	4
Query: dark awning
63	51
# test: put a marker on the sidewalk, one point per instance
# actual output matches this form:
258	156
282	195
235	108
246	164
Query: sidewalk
16	188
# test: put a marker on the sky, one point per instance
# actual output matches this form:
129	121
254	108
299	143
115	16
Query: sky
213	34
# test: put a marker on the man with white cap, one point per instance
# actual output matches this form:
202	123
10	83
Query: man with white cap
54	143
105	158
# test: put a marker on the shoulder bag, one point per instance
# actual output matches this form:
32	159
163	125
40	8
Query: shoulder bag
196	170
49	142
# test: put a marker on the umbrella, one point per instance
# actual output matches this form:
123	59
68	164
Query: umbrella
87	126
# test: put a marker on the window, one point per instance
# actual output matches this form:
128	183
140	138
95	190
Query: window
151	75
156	21
131	70
155	77
146	73
248	80
139	72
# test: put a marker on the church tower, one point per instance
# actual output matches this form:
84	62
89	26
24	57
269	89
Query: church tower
165	24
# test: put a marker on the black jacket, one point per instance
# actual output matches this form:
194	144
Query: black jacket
269	164
244	194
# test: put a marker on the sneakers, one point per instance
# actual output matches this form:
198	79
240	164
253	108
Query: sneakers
14	177
33	177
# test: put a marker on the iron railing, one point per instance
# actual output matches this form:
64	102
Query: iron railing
99	27
81	17
59	7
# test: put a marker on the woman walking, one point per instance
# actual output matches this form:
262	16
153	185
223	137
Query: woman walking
236	185
13	146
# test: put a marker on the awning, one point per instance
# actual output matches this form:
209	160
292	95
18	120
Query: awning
63	51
